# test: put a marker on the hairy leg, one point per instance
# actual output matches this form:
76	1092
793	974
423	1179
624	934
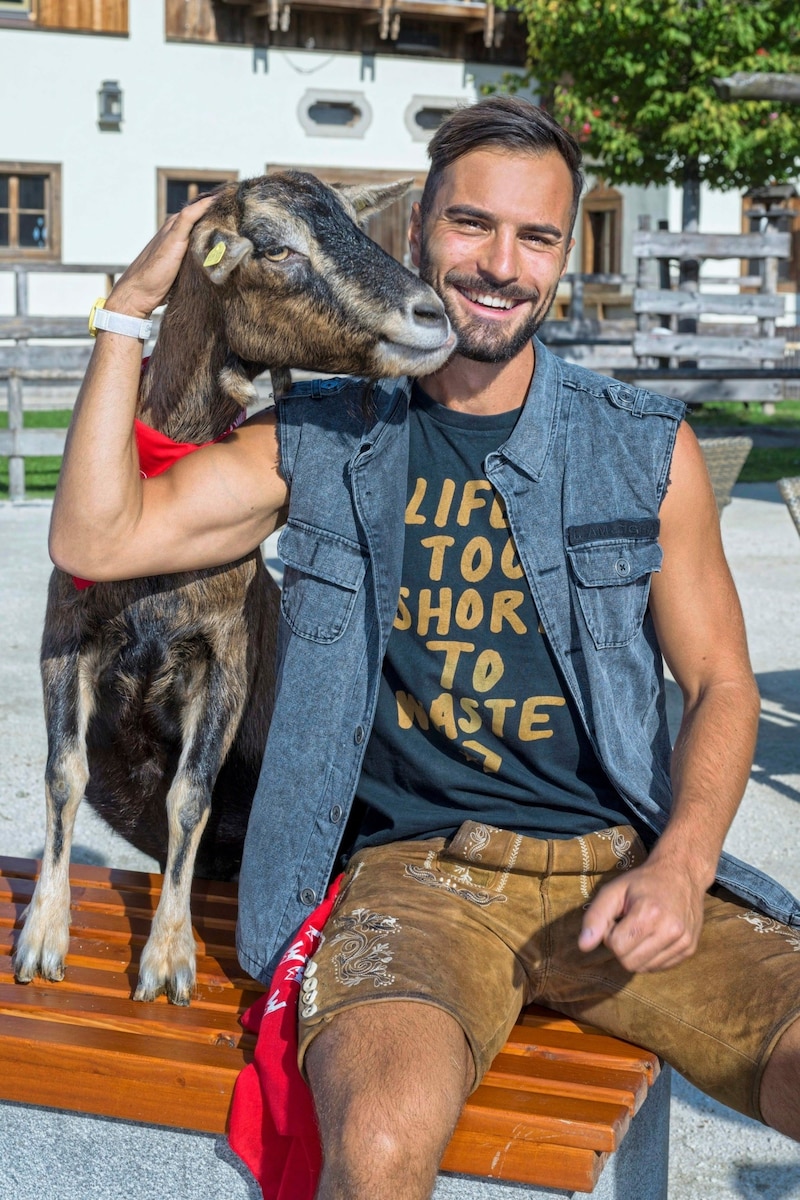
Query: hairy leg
780	1085
389	1081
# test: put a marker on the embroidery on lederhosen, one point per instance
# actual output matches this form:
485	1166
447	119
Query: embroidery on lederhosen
446	883
478	840
363	954
621	847
586	865
763	924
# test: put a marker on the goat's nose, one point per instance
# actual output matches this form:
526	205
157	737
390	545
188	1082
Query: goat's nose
428	311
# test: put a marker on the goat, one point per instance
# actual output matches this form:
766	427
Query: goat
158	691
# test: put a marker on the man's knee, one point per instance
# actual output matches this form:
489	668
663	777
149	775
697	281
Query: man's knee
392	1067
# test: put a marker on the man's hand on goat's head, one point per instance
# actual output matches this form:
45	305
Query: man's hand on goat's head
146	282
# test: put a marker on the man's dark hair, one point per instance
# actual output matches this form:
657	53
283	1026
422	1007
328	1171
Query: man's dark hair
508	122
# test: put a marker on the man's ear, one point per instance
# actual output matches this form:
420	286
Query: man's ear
368	199
220	252
415	233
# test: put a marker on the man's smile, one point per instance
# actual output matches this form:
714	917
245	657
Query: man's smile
488	303
487	300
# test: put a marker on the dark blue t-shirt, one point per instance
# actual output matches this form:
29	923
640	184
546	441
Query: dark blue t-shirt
473	721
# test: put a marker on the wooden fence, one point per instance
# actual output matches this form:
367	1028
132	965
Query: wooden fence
43	350
697	342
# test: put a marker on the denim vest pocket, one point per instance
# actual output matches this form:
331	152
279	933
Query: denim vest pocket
323	574
613	585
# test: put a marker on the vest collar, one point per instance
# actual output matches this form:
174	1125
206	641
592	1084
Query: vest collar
532	438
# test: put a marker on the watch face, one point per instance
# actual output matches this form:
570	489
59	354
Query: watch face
98	304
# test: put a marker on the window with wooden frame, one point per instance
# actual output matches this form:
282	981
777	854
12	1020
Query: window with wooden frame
176	187
777	209
388	228
30	211
601	229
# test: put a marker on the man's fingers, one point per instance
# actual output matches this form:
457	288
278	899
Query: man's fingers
191	213
602	915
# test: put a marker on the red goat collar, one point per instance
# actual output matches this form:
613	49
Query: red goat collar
157	453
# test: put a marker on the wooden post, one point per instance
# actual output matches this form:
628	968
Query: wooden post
21	292
16	463
576	299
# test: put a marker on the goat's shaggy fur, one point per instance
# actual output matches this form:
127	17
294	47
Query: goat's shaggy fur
158	691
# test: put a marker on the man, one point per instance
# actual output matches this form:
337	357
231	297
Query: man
550	534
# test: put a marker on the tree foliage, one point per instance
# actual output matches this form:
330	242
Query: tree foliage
631	79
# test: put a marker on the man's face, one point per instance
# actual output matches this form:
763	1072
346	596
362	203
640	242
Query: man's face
495	245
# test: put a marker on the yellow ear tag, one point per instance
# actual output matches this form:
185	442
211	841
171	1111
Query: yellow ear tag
215	255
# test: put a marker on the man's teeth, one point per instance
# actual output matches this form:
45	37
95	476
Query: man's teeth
489	301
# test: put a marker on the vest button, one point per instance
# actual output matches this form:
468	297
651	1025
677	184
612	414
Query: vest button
622	567
336	813
359	735
308	896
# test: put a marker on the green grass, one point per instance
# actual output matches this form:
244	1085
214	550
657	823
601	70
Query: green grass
57	419
786	416
764	463
41	474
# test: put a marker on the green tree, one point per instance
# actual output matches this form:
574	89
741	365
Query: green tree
632	80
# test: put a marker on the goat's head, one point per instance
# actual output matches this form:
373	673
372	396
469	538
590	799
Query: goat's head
300	285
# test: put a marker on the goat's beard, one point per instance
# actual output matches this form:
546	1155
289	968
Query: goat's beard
485	341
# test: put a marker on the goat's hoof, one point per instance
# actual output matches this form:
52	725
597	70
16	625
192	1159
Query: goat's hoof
146	994
179	988
29	964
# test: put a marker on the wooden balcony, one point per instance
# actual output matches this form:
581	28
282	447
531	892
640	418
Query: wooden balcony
474	16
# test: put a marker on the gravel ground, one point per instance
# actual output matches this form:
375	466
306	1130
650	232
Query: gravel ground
715	1154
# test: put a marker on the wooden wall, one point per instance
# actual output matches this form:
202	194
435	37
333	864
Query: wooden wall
85	16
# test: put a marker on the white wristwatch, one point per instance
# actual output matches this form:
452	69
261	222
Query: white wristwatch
101	318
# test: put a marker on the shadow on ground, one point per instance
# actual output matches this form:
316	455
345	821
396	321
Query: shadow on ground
778	748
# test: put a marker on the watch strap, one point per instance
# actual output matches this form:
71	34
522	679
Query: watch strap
114	322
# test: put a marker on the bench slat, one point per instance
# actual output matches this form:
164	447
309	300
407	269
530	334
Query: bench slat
536	1163
542	1074
118	1075
197	1023
94	966
115	878
568	1120
211	914
591	1049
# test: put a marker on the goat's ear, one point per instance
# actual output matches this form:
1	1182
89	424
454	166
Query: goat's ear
368	199
220	252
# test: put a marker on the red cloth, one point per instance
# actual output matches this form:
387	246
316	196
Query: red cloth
273	1127
157	453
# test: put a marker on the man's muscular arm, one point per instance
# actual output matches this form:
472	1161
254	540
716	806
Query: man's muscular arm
651	917
209	508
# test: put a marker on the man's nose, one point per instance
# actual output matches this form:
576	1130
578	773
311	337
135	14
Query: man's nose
499	260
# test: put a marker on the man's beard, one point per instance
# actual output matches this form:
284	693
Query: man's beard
487	341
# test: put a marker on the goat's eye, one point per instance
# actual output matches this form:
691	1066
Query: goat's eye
277	253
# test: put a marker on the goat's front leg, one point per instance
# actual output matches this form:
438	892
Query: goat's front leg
209	724
68	701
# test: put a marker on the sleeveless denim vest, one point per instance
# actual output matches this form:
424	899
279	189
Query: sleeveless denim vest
582	476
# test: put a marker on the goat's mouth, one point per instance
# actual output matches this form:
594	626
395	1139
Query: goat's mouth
401	358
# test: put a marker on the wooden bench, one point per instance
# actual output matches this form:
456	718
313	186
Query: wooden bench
557	1103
